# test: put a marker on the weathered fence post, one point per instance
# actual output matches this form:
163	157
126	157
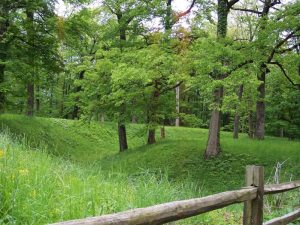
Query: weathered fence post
253	210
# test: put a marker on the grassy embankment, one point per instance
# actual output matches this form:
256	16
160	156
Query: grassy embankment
54	170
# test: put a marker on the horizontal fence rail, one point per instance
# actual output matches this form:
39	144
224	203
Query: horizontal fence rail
283	187
290	217
167	212
252	196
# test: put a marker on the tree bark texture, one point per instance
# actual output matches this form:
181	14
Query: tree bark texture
37	99
281	132
260	109
151	136
213	144
30	99
152	116
122	137
3	54
250	124
2	93
31	62
162	133
76	109
177	121
237	116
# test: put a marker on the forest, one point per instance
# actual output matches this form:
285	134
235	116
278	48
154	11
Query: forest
173	95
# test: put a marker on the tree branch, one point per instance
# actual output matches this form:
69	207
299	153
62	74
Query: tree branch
247	10
172	87
225	75
295	46
280	43
231	3
110	9
179	15
285	74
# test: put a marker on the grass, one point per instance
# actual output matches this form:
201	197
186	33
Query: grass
66	169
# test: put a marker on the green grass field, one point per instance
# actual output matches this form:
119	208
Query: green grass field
53	170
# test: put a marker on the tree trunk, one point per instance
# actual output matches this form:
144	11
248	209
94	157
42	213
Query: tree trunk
121	126
76	109
3	54
37	99
151	136
64	92
213	144
51	100
2	93
237	116
281	132
152	119
260	109
251	125
222	11
122	137
30	99
177	121
31	61
168	19
236	126
162	133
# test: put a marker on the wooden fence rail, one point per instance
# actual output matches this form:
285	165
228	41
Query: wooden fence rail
252	196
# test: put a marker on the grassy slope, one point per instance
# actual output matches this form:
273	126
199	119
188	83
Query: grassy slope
180	155
37	188
70	139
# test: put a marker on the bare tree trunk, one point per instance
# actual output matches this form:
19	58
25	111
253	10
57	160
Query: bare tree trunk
51	99
236	126
260	109
76	109
281	132
31	62
30	99
152	110
162	132
122	137
2	93
237	116
251	125
3	55
37	99
213	144
177	121
151	136
62	103
243	127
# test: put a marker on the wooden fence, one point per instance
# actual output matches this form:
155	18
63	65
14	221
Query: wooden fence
252	196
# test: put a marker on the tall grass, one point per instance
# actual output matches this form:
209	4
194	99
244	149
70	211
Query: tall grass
53	170
36	188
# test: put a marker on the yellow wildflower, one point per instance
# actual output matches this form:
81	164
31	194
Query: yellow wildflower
2	153
23	172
